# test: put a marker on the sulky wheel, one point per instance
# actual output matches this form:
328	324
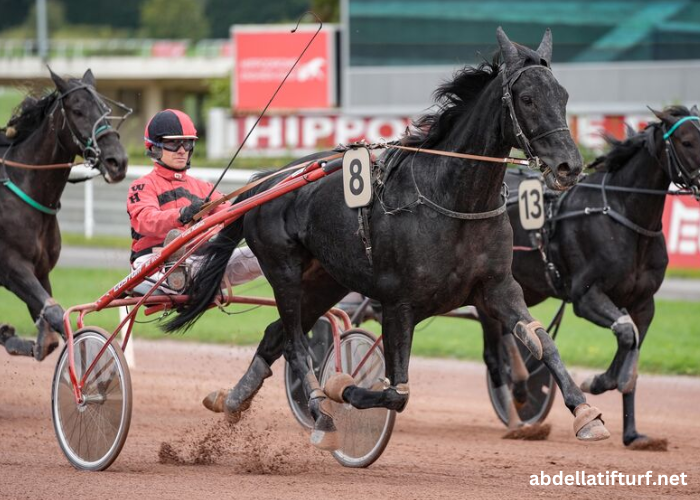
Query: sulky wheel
92	433
540	388
320	340
363	433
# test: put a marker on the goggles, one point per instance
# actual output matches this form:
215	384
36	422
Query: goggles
174	145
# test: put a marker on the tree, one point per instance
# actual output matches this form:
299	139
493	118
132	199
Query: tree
327	10
224	13
174	19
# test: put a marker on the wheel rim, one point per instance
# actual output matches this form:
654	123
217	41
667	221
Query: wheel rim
320	339
363	433
540	389
91	433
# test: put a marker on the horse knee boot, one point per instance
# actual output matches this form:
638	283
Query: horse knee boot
527	334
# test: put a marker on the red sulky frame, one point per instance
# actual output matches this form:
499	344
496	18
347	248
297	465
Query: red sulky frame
194	237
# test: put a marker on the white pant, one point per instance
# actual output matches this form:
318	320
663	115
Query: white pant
242	267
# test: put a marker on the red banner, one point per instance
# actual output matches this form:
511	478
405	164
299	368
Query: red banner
264	55
682	229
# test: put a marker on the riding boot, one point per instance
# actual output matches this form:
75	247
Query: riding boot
178	278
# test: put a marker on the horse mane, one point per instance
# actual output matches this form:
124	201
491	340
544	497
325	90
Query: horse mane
623	150
27	117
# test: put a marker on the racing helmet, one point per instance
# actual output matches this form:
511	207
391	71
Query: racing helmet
167	124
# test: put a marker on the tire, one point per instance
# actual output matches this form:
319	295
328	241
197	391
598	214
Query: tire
540	386
102	424
364	434
320	340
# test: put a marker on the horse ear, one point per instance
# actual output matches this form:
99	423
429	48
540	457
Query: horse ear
545	48
662	115
60	83
510	53
694	110
89	78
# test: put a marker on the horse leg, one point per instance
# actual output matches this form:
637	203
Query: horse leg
631	438
493	336
397	330
504	301
14	345
597	307
21	281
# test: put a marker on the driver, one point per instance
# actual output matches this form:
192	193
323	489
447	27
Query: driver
167	198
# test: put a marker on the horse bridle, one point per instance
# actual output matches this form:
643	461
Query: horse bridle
523	142
674	161
90	147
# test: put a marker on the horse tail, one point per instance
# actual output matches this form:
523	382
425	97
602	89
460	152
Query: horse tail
206	282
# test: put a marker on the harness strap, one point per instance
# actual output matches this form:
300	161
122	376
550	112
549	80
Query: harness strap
609	211
26	198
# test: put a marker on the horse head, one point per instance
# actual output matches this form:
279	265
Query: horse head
536	109
84	126
681	130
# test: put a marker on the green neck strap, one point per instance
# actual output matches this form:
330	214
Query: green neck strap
678	124
25	198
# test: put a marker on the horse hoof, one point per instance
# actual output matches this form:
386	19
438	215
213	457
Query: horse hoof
45	345
325	440
645	443
6	333
593	431
587	384
588	425
336	384
215	401
527	432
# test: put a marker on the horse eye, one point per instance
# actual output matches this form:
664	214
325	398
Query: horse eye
78	113
526	99
687	144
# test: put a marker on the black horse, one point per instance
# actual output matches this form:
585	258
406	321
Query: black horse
439	238
604	251
70	121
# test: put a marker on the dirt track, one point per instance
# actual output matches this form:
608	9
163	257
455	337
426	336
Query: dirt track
447	444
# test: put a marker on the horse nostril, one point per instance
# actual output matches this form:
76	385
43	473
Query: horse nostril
563	170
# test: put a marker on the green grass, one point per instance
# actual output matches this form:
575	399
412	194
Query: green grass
97	241
683	273
672	346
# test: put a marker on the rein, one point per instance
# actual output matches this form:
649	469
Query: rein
208	207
